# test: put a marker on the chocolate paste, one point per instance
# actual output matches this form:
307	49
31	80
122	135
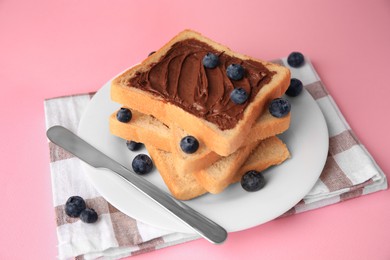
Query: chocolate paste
179	77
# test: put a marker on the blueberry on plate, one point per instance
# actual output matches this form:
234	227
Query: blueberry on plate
210	60
74	206
133	146
295	88
189	144
124	115
253	181
142	164
239	96
235	71
279	107
89	216
295	59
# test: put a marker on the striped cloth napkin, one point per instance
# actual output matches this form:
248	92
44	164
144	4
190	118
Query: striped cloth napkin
349	172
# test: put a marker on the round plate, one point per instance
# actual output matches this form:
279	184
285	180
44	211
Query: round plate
234	209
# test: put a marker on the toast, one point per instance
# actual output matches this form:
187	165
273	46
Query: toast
265	126
173	86
148	130
218	175
185	186
144	129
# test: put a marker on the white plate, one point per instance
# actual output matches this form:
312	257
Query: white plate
234	209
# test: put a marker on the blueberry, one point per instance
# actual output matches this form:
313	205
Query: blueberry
133	146
238	95
74	206
89	216
235	71
210	60
295	88
124	115
142	164
252	181
279	107
295	59
189	144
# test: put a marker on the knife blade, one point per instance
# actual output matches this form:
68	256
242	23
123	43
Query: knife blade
74	144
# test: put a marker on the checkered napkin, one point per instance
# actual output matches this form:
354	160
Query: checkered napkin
349	172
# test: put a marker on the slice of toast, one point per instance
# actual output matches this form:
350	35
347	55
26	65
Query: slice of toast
216	177
182	185
173	86
271	151
148	130
185	186
144	129
265	126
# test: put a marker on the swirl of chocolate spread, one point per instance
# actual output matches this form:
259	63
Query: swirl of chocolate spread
179	77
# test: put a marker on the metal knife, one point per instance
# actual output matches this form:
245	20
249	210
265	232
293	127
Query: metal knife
89	154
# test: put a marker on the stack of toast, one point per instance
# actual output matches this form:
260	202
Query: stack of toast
172	95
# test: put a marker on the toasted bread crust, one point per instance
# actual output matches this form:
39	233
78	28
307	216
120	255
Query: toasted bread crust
148	130
183	186
142	128
264	127
270	152
222	142
186	186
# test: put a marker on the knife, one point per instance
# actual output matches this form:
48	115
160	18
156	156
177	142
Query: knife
86	152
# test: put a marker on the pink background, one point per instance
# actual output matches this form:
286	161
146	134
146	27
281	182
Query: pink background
59	47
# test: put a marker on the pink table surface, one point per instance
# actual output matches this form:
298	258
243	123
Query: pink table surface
54	48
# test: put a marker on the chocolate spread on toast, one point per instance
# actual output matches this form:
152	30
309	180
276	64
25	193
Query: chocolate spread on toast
179	77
